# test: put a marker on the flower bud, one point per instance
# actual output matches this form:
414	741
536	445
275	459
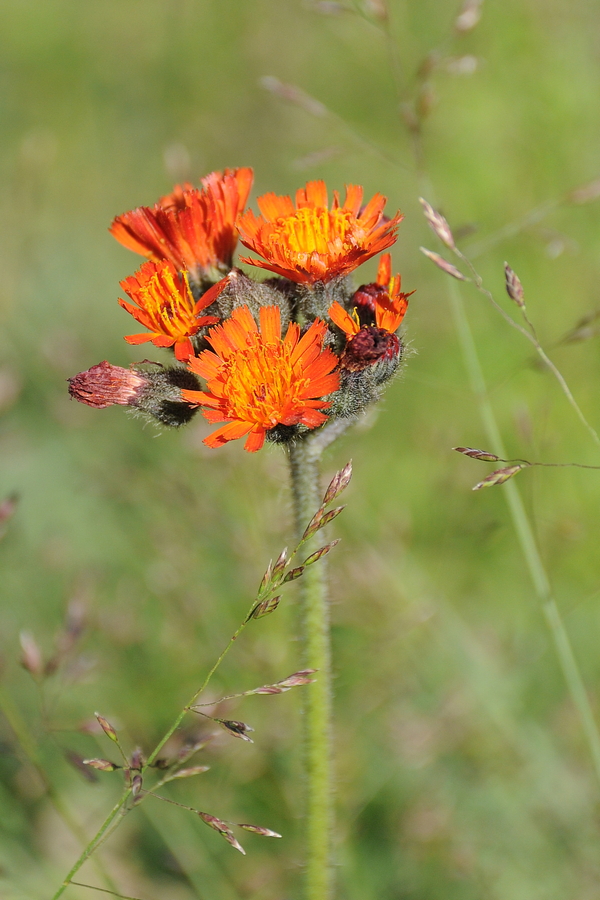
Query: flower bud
368	347
154	390
240	290
364	301
105	385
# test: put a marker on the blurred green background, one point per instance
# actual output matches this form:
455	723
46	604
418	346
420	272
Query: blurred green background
462	771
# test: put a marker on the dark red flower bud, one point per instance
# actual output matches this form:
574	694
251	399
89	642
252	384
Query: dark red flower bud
364	301
106	385
366	348
149	387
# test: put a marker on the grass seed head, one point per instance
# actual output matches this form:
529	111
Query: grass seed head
514	288
498	477
103	765
443	264
438	224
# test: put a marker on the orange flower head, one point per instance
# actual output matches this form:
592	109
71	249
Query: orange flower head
308	242
256	380
382	301
193	228
166	307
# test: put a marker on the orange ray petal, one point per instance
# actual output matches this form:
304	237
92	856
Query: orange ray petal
272	207
183	350
229	432
199	398
313	195
255	440
343	319
270	323
211	295
139	338
354	195
313	418
384	270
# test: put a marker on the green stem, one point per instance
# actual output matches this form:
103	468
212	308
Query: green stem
93	844
98	838
193	699
304	458
522	526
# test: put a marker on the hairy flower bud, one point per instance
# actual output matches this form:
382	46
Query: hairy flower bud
369	346
151	388
105	385
240	290
364	301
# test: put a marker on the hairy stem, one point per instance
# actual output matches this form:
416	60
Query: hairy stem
304	458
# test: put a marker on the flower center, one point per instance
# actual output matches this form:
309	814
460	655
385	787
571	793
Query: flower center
260	384
170	306
316	230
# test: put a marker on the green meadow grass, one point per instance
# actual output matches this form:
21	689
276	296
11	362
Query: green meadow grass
462	769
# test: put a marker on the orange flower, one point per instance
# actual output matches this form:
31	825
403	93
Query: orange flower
309	242
192	228
166	307
256	380
385	300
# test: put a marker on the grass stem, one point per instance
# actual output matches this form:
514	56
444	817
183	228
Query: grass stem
98	838
525	535
27	744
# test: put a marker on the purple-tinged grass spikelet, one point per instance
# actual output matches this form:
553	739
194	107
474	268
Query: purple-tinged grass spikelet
318	554
338	483
237	729
103	765
258	829
188	773
281	563
223	829
498	477
514	288
438	224
265	607
31	655
136	785
293	574
320	520
477	454
443	264
107	728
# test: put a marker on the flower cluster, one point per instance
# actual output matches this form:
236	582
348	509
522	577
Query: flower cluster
266	360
